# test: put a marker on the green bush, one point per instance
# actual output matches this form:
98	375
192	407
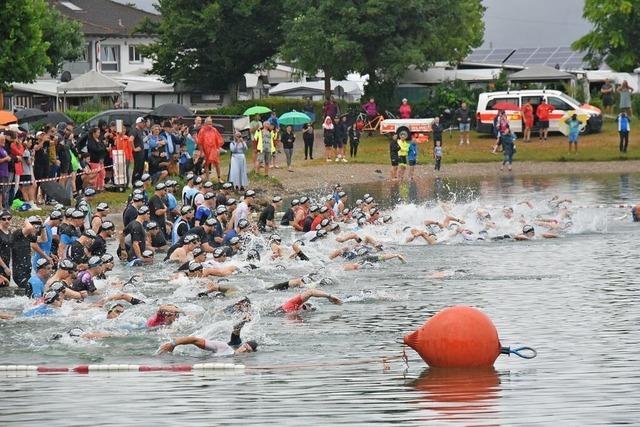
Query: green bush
279	105
448	94
597	102
635	104
80	116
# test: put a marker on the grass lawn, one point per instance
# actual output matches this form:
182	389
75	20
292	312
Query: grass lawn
600	146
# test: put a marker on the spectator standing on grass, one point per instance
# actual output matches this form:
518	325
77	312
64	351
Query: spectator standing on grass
574	130
542	112
330	108
463	117
508	149
138	148
339	138
625	98
308	137
405	109
5	158
527	120
371	108
412	157
288	138
437	155
436	131
97	154
606	92
210	142
624	127
238	167
354	139
329	134
124	143
394	148
40	162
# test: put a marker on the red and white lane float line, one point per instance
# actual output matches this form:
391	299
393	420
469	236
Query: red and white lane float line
87	369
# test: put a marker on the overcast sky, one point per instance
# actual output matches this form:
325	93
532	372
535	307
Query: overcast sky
515	23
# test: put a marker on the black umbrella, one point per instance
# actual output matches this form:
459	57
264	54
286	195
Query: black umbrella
57	192
171	110
29	115
57	117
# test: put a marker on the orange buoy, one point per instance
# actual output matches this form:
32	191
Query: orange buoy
457	337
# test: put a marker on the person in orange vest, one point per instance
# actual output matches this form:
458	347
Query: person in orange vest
542	113
210	142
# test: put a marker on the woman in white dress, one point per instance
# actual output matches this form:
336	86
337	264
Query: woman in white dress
238	169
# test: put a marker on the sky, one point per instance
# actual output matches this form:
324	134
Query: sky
515	23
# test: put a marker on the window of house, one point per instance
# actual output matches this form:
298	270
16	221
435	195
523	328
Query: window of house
134	54
86	52
110	57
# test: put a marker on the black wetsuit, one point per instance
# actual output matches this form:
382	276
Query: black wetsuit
99	246
21	257
287	217
267	214
5	251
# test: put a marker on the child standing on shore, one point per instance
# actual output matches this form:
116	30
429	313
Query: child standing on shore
437	155
412	157
624	126
574	130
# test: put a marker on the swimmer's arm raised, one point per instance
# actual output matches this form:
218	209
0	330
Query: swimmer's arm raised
189	340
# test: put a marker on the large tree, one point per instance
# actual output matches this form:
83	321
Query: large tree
381	38
34	39
615	38
66	41
23	53
210	44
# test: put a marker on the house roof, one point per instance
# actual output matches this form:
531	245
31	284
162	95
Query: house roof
540	73
91	83
313	87
102	17
437	75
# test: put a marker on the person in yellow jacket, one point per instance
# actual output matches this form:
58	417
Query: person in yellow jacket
265	138
402	154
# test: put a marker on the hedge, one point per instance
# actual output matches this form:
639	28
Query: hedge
279	105
80	116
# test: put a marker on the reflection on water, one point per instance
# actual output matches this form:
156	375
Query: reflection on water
575	299
459	393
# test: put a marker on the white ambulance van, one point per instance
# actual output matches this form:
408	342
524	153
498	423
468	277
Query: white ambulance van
561	102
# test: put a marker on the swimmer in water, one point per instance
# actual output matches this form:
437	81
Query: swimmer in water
276	249
300	302
308	281
165	316
528	233
217	348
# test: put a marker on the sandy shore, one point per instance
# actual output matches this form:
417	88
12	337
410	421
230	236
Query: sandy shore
322	176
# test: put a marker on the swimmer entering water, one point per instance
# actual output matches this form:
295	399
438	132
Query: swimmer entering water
218	348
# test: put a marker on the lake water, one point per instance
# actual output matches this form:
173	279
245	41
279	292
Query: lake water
574	299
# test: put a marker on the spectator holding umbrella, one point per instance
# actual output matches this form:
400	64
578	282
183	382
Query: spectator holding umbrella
238	168
308	138
405	109
288	138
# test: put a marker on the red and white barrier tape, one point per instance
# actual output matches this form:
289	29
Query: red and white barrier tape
86	369
37	181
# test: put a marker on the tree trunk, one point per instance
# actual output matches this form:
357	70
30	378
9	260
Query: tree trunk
233	92
327	85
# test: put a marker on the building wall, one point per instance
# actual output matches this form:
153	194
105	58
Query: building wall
126	63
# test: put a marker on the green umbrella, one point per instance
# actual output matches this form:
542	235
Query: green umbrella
294	118
256	109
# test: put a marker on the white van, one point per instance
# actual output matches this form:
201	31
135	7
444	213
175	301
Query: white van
561	102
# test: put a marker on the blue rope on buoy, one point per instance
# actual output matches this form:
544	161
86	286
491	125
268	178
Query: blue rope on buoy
519	352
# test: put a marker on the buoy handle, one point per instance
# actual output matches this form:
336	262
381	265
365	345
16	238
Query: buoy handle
523	352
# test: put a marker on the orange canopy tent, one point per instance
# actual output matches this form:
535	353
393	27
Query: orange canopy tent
7	117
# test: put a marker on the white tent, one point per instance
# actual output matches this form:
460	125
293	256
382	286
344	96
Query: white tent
91	83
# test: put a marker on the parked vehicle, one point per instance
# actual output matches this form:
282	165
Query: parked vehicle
419	128
128	117
563	104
